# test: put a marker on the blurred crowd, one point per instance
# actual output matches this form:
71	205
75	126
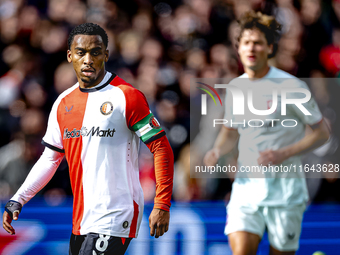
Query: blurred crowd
157	46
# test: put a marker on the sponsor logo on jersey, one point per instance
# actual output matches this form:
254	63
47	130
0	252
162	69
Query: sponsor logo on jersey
154	123
94	131
68	111
106	108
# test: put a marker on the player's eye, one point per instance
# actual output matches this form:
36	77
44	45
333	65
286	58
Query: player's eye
80	53
95	53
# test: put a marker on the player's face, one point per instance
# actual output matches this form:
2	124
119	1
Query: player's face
254	49
88	56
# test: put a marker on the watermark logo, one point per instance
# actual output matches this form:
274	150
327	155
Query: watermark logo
239	100
255	103
204	97
238	97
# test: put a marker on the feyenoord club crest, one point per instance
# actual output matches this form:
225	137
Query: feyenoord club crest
106	108
154	123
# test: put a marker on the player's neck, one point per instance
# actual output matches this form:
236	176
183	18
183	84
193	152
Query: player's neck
86	85
257	74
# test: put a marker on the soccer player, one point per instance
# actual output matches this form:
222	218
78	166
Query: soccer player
276	204
97	124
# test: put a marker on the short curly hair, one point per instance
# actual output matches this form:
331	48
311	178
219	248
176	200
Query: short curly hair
268	25
88	29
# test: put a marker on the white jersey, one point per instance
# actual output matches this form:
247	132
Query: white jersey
259	133
99	129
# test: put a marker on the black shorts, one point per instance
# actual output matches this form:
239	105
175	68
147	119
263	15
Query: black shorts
96	244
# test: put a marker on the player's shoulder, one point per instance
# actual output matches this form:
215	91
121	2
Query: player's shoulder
278	73
239	80
66	93
287	80
69	90
128	90
120	83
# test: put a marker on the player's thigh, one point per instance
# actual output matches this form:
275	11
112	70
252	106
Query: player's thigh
97	244
244	243
284	227
245	227
273	251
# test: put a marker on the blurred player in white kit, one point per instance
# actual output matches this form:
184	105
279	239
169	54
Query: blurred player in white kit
275	202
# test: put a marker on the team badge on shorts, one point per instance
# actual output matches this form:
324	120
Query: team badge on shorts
106	108
154	123
125	224
291	236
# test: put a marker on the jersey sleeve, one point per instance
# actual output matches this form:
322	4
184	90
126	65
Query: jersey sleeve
41	173
53	138
139	118
164	172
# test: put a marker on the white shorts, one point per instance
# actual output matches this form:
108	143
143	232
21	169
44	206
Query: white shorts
283	223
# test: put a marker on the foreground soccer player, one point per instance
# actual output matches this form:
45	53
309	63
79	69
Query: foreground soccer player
97	124
275	204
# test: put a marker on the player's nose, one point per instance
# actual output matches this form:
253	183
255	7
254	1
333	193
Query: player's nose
251	46
88	59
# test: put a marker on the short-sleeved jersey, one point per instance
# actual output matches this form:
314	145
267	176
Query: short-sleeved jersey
99	129
265	132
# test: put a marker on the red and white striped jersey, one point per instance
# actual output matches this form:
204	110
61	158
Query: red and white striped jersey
98	129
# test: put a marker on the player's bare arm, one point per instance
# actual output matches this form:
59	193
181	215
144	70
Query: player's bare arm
225	142
318	136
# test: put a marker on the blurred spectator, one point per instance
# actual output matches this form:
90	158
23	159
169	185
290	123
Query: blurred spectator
64	77
142	23
314	31
151	50
159	47
330	55
196	59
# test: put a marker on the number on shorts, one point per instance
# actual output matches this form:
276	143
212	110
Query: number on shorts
102	243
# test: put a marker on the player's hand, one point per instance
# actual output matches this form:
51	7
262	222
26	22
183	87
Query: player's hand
211	157
12	211
270	157
159	222
7	220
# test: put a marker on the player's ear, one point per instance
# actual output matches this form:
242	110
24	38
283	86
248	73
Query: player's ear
69	56
106	55
270	49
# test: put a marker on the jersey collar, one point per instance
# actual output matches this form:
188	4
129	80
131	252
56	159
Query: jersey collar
107	79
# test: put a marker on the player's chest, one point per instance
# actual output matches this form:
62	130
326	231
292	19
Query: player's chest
100	115
263	114
261	105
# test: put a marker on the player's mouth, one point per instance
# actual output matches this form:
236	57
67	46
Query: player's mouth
87	71
251	58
